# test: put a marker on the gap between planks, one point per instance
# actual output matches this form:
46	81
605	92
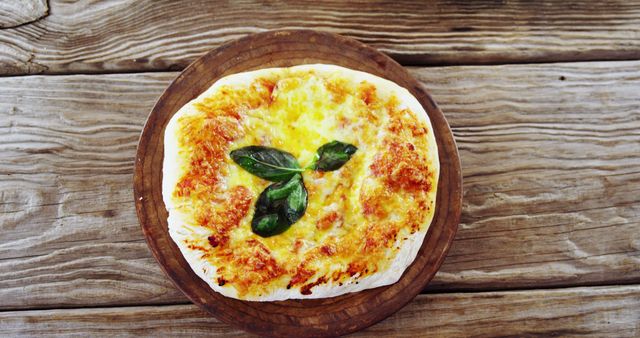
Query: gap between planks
416	65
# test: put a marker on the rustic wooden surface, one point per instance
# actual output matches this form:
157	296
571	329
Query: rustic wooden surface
591	312
308	317
550	156
539	186
138	35
16	13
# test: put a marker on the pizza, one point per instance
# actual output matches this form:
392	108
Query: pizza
304	182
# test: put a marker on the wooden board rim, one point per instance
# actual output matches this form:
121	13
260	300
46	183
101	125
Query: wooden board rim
294	316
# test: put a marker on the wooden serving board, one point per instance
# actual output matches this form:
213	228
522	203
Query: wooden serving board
321	317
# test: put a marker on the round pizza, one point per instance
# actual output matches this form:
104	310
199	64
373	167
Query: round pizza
303	182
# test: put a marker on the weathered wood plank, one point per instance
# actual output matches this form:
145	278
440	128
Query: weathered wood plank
550	156
162	35
551	164
19	12
69	232
593	312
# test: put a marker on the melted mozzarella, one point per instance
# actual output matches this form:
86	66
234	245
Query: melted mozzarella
364	223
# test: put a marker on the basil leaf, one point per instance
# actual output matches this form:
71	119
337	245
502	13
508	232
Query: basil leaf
333	155
279	191
279	206
269	225
265	162
283	203
296	203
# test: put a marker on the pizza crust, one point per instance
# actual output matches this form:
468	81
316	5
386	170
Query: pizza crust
180	230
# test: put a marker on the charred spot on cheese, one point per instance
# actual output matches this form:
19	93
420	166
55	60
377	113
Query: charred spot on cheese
228	216
207	140
328	250
367	93
193	246
306	290
338	88
302	274
380	235
213	241
375	200
269	86
356	268
402	167
330	219
253	266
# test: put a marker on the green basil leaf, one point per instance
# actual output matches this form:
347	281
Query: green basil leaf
333	155
281	191
279	206
267	163
269	225
283	203
296	203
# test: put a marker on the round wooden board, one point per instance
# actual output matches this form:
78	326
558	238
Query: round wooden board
322	317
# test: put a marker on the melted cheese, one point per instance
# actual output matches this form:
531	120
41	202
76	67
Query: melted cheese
363	223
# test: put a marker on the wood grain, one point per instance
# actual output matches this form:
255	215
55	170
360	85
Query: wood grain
19	12
590	312
299	317
550	157
551	163
68	229
134	35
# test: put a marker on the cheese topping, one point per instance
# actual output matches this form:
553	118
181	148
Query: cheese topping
358	218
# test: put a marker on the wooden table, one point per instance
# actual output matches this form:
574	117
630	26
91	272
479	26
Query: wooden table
543	99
